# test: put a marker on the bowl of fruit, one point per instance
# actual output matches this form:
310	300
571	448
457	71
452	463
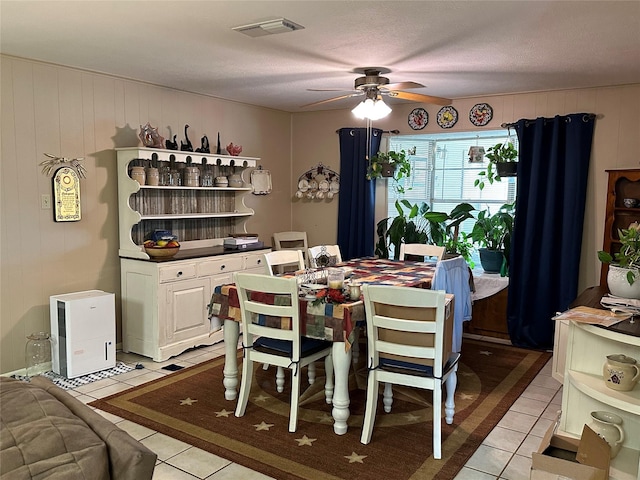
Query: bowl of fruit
161	248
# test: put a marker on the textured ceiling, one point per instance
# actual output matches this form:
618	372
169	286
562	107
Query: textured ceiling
455	48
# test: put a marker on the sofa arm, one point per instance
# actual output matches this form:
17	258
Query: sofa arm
128	458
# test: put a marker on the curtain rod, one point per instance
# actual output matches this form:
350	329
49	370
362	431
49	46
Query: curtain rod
395	132
589	116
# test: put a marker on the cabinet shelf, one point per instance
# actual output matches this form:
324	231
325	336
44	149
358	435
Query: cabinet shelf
594	386
174	216
205	189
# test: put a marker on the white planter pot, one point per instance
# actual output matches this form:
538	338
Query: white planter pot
619	285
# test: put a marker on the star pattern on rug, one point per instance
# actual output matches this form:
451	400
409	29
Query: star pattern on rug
305	441
355	458
325	418
263	426
486	352
223	413
466	396
411	417
188	401
260	398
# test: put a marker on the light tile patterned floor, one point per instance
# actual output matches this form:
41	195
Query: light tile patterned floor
504	454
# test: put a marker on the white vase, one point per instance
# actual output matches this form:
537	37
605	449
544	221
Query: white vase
608	426
619	285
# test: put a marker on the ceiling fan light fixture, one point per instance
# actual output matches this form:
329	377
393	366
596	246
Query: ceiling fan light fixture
371	109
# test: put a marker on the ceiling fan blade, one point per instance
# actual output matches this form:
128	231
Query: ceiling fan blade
418	97
330	100
401	86
328	90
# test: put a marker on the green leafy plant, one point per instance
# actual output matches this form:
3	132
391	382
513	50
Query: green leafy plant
494	231
629	254
498	153
390	164
416	223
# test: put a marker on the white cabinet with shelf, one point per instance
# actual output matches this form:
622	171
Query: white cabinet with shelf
165	303
584	391
199	216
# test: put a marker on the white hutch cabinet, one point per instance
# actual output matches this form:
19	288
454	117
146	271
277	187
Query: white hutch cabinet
165	301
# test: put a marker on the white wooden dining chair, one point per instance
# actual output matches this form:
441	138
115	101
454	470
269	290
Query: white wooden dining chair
406	332
263	342
324	255
282	259
291	241
421	250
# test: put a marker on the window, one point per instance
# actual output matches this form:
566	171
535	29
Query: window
442	175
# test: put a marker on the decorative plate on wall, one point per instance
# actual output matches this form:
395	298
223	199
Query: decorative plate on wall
447	117
261	181
418	118
480	114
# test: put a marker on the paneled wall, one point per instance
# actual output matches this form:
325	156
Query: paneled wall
616	144
71	113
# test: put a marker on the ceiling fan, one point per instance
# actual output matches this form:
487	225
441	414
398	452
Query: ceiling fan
373	86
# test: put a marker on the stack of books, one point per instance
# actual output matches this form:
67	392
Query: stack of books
242	241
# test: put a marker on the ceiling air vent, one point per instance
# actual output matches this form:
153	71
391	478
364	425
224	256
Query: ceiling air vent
268	27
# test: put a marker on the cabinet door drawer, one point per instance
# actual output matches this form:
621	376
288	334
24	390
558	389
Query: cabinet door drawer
222	265
254	262
177	272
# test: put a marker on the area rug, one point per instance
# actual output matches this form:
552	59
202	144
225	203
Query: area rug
189	405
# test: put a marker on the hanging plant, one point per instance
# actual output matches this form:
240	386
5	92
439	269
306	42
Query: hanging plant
391	164
503	158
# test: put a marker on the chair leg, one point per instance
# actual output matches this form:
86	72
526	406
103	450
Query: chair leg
311	372
245	386
437	422
280	380
449	405
370	408
387	397
328	384
295	399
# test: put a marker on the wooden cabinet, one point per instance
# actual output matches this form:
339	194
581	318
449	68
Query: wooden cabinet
165	302
622	184
585	391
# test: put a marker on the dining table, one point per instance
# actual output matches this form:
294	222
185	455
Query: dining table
331	320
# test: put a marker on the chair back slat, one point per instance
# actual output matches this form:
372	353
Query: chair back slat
292	241
281	258
315	253
421	250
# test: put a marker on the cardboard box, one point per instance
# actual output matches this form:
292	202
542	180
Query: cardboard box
564	458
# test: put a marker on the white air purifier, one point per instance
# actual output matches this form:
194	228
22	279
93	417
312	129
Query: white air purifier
83	332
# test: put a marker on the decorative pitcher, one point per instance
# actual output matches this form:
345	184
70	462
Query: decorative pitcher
608	426
621	372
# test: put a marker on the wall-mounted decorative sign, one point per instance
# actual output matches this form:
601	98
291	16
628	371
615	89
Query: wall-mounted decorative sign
318	182
66	195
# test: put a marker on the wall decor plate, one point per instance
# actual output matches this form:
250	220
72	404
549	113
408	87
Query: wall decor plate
261	182
447	117
480	114
418	118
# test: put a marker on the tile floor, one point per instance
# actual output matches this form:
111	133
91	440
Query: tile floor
504	454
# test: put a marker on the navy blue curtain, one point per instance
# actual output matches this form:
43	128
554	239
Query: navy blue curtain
356	201
547	238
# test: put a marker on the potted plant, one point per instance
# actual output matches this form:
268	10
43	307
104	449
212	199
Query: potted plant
503	158
493	234
390	164
624	264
